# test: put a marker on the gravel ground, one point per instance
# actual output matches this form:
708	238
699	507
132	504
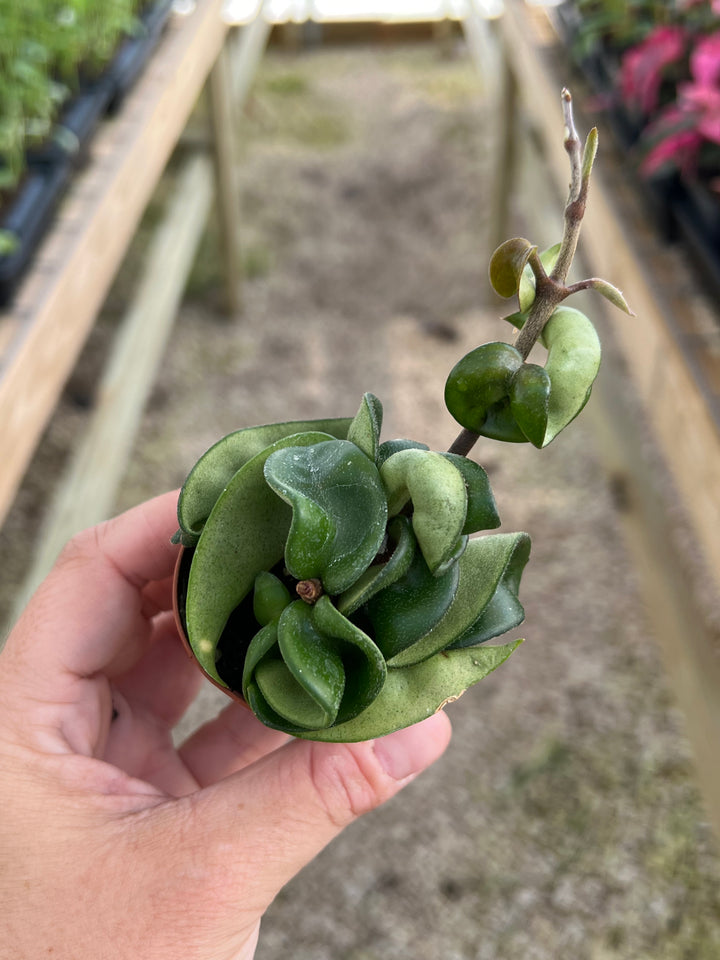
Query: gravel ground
563	823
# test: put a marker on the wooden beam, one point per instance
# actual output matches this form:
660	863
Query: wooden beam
224	128
246	48
88	488
56	307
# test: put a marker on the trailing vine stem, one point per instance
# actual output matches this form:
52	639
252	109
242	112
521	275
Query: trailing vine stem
551	290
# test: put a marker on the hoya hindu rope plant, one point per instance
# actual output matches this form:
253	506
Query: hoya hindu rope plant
330	579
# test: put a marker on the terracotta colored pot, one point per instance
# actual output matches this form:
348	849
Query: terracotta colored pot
182	569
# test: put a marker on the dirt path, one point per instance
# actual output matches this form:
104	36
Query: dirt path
564	823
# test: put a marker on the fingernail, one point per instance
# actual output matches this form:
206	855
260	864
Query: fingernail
407	752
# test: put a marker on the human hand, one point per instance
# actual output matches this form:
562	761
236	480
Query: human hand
112	842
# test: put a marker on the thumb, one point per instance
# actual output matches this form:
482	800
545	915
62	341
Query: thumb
260	826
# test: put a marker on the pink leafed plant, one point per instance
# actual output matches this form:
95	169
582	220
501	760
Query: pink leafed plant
682	130
643	66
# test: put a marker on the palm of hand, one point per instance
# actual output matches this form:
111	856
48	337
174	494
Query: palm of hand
113	841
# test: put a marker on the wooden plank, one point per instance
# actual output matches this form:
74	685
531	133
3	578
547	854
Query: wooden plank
657	357
56	307
90	483
686	644
223	125
246	49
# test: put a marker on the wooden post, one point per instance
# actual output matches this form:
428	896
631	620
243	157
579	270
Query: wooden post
223	125
87	491
245	52
506	124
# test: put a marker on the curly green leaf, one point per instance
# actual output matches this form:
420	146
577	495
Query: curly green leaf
407	609
526	288
244	535
364	431
339	511
485	604
216	467
415	693
439	497
572	365
507	264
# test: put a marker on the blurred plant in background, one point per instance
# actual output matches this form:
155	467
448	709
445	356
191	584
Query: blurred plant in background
48	50
654	69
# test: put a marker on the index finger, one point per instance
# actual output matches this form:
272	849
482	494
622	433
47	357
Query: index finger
87	615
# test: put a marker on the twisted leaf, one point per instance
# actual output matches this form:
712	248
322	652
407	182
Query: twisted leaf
311	668
507	265
529	401
244	535
439	497
364	431
415	693
489	577
339	510
216	467
312	660
381	575
572	365
477	391
482	511
402	613
506	556
365	669
389	447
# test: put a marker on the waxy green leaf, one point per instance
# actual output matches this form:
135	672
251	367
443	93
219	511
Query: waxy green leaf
312	660
244	535
270	597
482	511
612	294
526	289
381	575
506	556
507	264
312	668
365	669
572	365
339	511
483	607
415	693
407	609
529	401
364	431
389	447
439	498
216	467
477	391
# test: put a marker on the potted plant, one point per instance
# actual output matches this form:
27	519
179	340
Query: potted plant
330	579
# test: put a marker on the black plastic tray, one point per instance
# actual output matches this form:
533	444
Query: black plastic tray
29	218
49	169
